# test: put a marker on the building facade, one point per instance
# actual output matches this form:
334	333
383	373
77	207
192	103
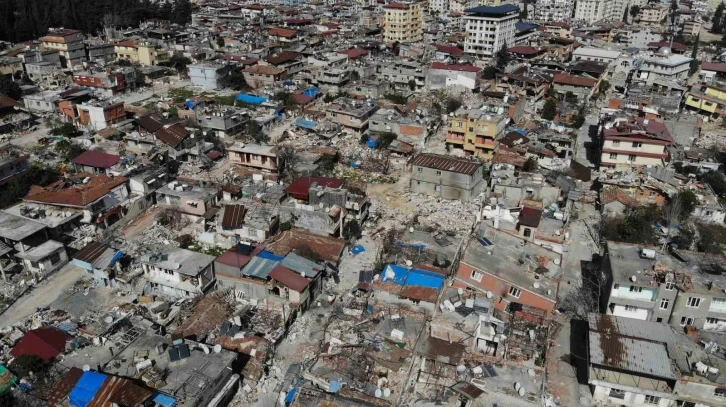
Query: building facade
476	131
446	177
489	29
404	22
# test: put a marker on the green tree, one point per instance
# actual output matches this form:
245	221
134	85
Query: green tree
717	20
20	184
694	54
412	84
635	227
255	133
7	399
634	11
285	97
549	110
24	364
503	57
577	121
530	165
178	63
67	130
386	138
396	98
625	14
354	76
10	88
712	238
490	72
220	41
689	201
326	164
234	80
68	150
452	105
716	180
352	230
673	12
523	14
603	87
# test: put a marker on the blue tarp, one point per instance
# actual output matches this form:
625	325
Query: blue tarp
190	104
270	256
306	124
164	400
87	387
116	257
372	143
358	249
311	92
290	395
404	276
251	99
334	386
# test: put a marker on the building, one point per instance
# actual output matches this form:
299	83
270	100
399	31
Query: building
487	267
11	164
441	75
178	273
207	76
250	222
489	29
412	128
552	10
136	52
652	14
401	72
98	115
95	162
476	130
707	100
664	66
712	72
692	28
403	22
254	156
100	261
191	201
591	11
258	76
447	177
627	145
594	54
353	115
580	86
68	43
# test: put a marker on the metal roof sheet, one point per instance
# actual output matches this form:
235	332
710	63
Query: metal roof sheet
445	163
634	355
233	216
301	265
259	267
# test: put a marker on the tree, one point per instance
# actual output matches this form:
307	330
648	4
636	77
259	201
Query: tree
603	87
503	57
285	97
178	63
694	54
234	80
255	133
712	238
530	165
490	72
10	88
326	164
636	227
625	14
717	20
549	110
716	180
412	84
354	76
20	184
7	399
352	230
67	130
308	253
68	150
396	98
689	201
634	11
452	105
673	11
523	15
577	121
386	138
220	42
23	365
586	296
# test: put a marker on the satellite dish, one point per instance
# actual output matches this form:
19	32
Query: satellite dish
386	392
632	278
461	368
204	349
410	229
379	393
535	285
217	348
517	386
521	391
530	372
409	263
489	294
460	291
108	319
86	368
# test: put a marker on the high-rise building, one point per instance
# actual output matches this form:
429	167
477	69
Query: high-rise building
490	28
553	10
68	43
404	22
592	10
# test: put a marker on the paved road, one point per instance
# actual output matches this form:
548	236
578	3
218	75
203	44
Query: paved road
42	295
586	142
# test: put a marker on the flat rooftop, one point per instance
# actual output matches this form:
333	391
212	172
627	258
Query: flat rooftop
515	260
16	228
52	217
182	261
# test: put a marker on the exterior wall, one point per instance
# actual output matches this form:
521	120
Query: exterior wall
602	394
500	289
205	77
445	184
616	152
590	10
552	10
479	41
258	80
186	205
245	288
581	92
46	266
403	25
476	136
130	54
441	78
39	105
147	55
263	162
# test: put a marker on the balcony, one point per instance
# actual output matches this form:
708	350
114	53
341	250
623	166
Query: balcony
455	138
485	143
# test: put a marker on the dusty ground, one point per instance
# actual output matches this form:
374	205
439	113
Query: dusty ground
394	195
139	225
42	295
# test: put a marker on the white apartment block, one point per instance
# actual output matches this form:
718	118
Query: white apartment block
590	11
490	28
553	10
442	6
404	22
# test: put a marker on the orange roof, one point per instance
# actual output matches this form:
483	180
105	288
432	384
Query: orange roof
127	43
73	192
567	79
283	32
265	70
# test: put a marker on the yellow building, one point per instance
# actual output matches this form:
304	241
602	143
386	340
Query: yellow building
476	131
652	14
404	23
707	99
143	54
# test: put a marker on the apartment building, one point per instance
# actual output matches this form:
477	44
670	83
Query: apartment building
403	22
641	363
142	53
674	287
207	76
447	177
626	145
488	29
440	6
178	273
664	66
254	156
590	11
652	14
68	43
476	130
352	115
401	72
553	10
708	100
692	27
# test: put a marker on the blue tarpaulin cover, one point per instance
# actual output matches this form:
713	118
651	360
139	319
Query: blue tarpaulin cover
251	99
116	257
306	124
358	249
87	387
372	143
414	277
311	92
270	256
290	395
334	386
164	400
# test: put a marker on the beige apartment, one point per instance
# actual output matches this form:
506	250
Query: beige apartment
404	22
652	15
353	115
254	156
623	149
68	43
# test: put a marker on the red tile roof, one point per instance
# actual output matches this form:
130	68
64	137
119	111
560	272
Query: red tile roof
530	217
449	49
713	66
328	248
447	163
46	343
282	57
299	188
289	278
567	79
118	391
96	159
301	99
524	50
73	192
234	216
61	388
354	53
676	46
282	32
399	6
455	67
172	135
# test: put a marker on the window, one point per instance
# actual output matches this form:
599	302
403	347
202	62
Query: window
527	232
652	399
669	285
515	292
712	321
471	129
438	172
616	143
631	308
636	289
169	272
693	302
613	156
718	302
631	157
475	275
664	303
55	258
34	264
420	169
687	321
617	394
637	144
616	286
459	124
720	392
